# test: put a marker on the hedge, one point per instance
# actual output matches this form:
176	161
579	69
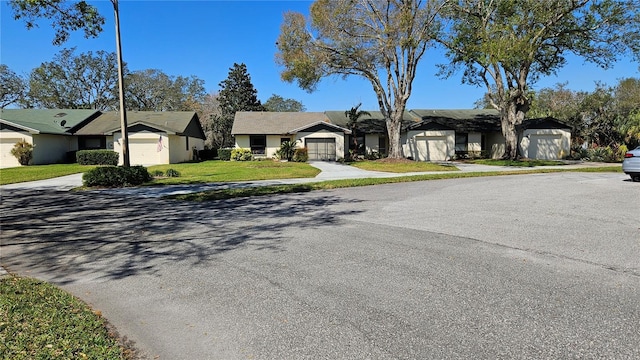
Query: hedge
116	176
97	157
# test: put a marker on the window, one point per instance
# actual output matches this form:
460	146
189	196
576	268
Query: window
382	145
187	141
461	142
284	140
258	144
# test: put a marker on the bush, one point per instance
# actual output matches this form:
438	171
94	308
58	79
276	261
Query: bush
224	154
207	154
97	157
301	155
240	154
157	173
172	173
23	151
116	176
287	150
601	154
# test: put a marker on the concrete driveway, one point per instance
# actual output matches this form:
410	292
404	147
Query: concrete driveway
529	266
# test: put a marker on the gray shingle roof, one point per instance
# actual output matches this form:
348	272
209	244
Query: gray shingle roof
178	122
47	121
273	123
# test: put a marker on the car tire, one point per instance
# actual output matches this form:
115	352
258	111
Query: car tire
635	178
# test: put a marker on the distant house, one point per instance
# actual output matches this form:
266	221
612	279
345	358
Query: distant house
154	137
427	135
162	137
263	132
51	132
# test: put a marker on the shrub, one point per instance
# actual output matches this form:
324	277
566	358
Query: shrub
301	155
601	154
23	151
207	154
157	173
97	157
240	154
224	154
172	173
116	176
287	150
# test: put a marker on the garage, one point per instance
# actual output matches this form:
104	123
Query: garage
6	145
321	148
545	147
144	151
431	148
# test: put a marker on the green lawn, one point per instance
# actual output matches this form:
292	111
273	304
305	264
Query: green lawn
39	172
40	321
401	166
517	163
334	184
223	171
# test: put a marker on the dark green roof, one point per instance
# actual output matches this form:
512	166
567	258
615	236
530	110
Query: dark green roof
47	121
372	123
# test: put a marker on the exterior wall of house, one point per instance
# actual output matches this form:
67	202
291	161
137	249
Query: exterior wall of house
273	143
495	145
545	144
432	145
52	149
8	139
324	134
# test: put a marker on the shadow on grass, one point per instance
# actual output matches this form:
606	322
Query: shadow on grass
66	237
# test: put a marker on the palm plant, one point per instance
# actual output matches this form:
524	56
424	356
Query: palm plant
354	114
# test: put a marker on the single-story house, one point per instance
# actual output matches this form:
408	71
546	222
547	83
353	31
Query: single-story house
263	132
154	137
49	131
427	135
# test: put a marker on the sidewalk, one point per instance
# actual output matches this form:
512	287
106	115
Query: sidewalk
329	171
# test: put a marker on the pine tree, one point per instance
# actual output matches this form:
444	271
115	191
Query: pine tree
237	94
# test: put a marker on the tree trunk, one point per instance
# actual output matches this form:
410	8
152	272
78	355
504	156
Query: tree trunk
509	119
394	125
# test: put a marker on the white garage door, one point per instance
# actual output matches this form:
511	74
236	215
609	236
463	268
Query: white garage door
6	159
431	148
321	148
144	151
545	147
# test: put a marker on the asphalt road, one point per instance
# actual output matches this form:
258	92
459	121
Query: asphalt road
512	267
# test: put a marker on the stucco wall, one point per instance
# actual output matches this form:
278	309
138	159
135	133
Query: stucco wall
474	142
52	149
143	148
413	145
495	145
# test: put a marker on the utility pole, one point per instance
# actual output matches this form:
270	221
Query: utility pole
123	111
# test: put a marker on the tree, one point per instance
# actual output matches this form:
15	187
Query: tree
11	87
67	17
381	41
237	94
153	90
354	114
208	110
508	45
277	103
85	81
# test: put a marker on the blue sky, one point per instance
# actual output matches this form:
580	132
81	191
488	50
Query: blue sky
205	38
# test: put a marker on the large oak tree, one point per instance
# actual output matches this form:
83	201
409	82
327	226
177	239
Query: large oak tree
508	45
382	41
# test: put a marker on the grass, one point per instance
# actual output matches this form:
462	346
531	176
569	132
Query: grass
402	166
334	184
39	172
518	163
225	171
40	321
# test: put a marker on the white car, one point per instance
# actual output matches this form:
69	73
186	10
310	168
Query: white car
631	164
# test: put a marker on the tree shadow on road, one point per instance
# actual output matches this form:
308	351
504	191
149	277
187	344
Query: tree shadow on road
65	237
